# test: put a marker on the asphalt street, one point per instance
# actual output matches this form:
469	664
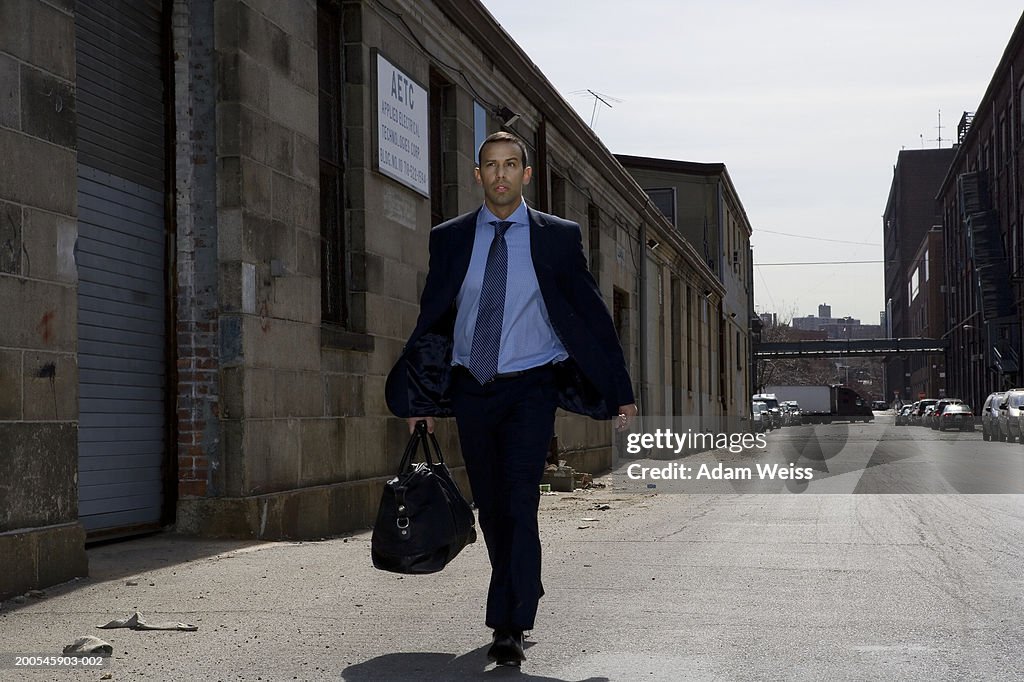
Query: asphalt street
657	586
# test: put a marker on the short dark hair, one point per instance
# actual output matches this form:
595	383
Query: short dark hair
503	136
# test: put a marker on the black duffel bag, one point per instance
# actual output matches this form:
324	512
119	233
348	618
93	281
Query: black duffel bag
423	521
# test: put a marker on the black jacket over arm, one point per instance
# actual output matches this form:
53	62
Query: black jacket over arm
594	381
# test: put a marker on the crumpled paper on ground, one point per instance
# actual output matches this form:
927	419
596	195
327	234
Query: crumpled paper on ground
89	645
137	621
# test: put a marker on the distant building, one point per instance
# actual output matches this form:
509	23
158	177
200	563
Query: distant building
911	211
836	327
808	335
700	201
926	317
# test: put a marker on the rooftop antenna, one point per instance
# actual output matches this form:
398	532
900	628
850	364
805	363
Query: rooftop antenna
598	97
939	140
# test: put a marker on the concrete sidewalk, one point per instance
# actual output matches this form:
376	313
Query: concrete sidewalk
656	587
288	610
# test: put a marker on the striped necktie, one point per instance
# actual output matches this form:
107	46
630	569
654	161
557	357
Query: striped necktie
483	355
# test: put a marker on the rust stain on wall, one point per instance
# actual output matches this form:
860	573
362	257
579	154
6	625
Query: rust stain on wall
45	326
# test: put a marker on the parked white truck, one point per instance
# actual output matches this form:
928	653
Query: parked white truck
825	403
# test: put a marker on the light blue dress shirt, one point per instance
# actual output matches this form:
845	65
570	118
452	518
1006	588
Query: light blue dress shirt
527	338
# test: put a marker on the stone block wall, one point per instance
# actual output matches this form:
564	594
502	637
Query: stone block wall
300	402
41	541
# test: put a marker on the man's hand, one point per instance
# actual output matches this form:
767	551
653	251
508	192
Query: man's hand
625	418
411	421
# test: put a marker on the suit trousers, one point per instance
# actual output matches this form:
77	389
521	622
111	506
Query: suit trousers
505	429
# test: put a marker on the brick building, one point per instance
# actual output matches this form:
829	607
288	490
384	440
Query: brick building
925	317
215	216
911	213
983	231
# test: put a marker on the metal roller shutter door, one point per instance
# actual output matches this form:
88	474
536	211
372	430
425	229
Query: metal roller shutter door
122	264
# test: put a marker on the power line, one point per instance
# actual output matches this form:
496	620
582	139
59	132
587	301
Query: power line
817	239
826	262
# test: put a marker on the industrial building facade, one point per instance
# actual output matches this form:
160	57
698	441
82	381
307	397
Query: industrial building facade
704	207
983	232
914	288
215	217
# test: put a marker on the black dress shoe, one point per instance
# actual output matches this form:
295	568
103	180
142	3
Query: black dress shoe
507	648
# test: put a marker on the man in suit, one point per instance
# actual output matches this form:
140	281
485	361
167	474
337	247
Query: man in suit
511	327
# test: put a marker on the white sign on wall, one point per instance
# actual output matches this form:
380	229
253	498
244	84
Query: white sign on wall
403	143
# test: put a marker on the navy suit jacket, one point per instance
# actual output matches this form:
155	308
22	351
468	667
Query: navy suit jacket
593	381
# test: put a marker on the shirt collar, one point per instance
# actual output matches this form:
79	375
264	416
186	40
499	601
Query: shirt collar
520	216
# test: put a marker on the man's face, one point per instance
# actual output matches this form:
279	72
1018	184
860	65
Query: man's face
502	175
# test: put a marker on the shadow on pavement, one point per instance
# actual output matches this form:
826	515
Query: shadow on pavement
137	556
436	667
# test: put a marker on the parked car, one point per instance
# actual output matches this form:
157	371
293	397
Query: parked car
940	407
793	412
786	414
758	417
768	418
928	415
956	416
921	406
1009	414
914	417
772	403
903	416
990	417
879	405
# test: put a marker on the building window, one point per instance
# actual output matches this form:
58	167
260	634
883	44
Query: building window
739	352
689	338
1020	119
664	199
711	357
594	238
620	316
676	352
1004	143
442	121
333	247
479	128
558	205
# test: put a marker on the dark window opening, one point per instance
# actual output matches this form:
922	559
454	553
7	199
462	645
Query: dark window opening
594	237
558	206
620	316
676	323
443	187
664	199
333	247
689	337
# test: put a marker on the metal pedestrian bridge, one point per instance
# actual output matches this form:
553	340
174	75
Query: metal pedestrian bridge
834	348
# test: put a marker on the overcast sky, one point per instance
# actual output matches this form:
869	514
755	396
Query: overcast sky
806	102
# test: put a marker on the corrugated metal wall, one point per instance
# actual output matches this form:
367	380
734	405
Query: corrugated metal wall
122	263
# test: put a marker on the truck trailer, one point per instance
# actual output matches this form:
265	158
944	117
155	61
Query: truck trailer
824	404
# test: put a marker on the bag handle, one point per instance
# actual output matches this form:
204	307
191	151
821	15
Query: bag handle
421	430
420	435
410	451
